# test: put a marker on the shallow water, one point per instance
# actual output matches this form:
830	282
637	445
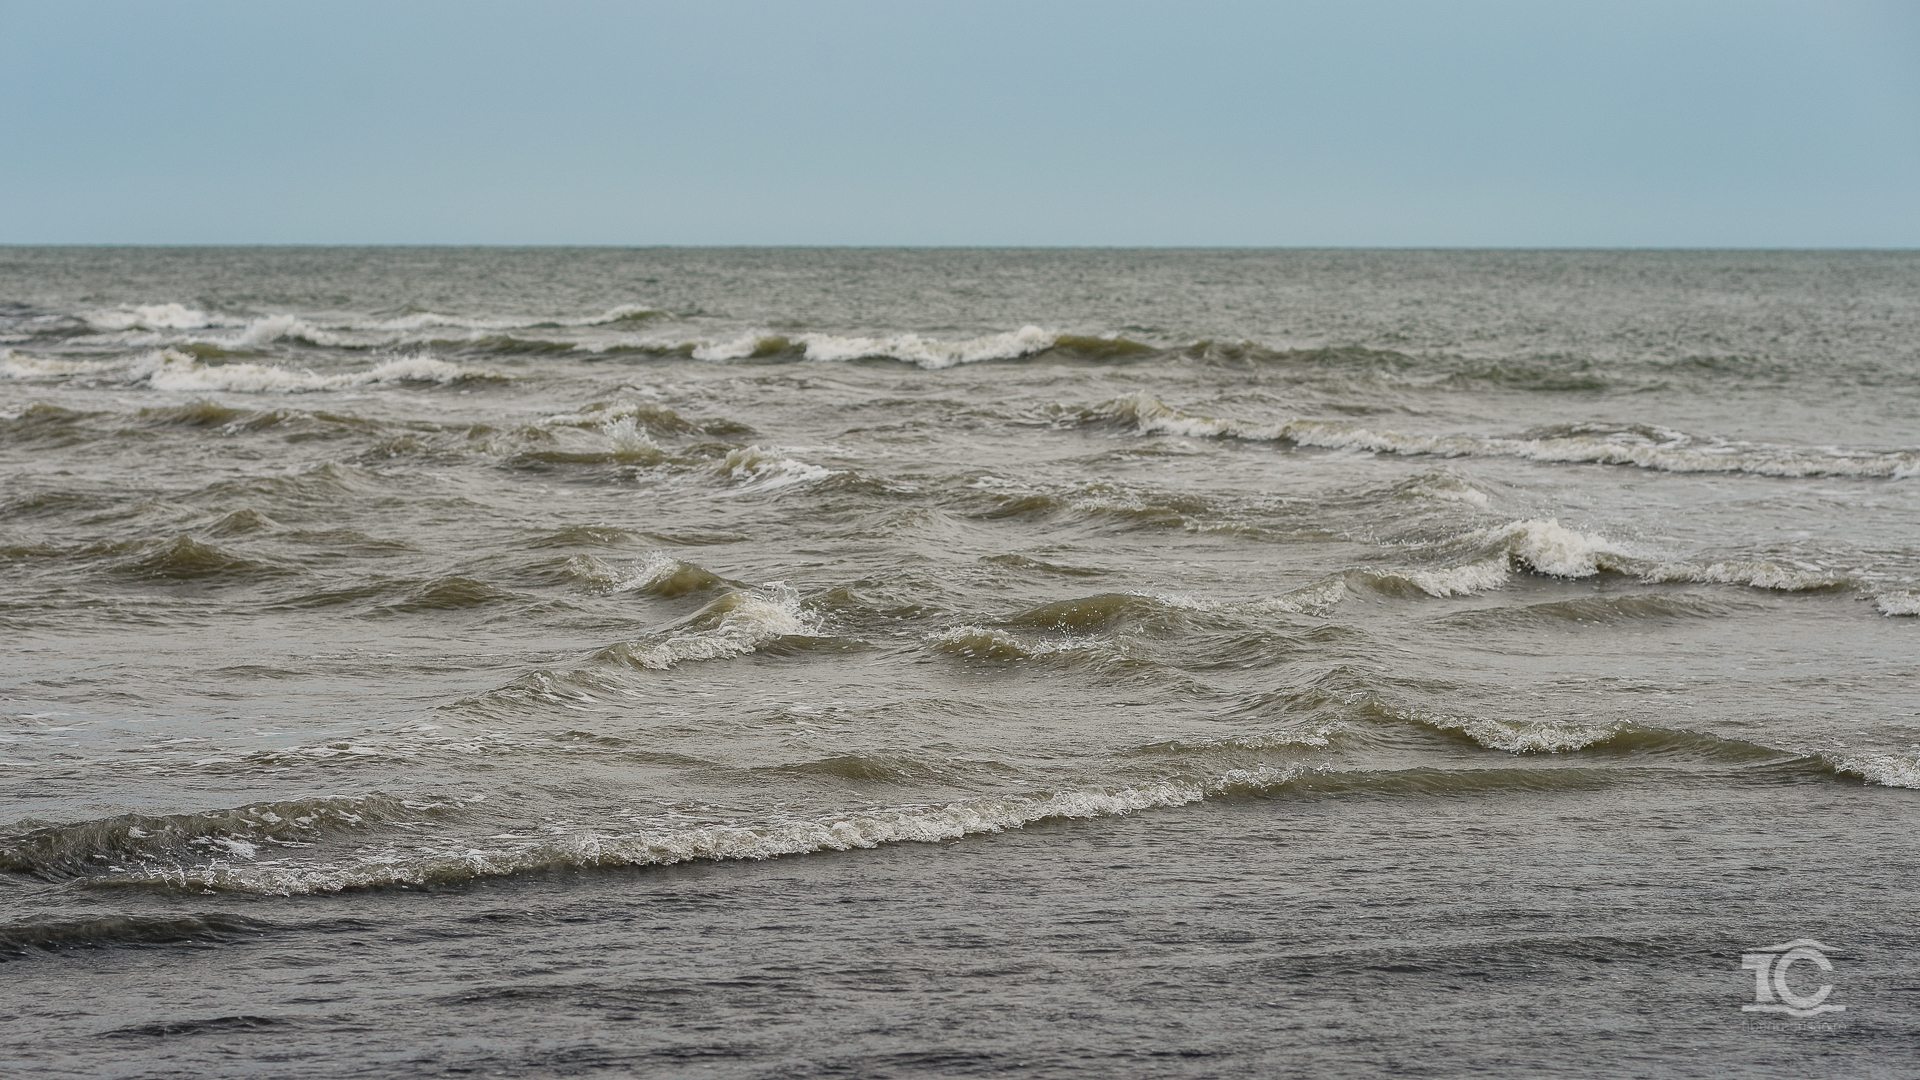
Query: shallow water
948	662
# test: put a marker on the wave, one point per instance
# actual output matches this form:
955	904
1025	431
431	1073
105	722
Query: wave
1551	549
271	328
1079	622
132	841
14	365
169	316
660	575
46	424
176	371
1641	446
931	354
464	860
184	558
626	313
765	469
262	850
452	593
735	624
657	420
1886	770
1596	610
1148	508
1898	602
1639	740
993	643
1466	580
107	931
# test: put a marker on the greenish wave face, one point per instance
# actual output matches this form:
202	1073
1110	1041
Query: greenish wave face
344	591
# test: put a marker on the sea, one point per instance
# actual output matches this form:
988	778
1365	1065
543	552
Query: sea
493	662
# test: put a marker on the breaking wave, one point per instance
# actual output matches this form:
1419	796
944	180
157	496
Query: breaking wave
765	469
1549	548
1636	445
737	623
1898	602
173	370
660	575
460	859
929	353
157	317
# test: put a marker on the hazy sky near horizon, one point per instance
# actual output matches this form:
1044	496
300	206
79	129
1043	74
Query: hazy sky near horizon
1692	124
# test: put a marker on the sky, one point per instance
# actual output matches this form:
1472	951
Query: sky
923	122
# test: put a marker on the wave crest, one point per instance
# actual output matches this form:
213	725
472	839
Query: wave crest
1637	445
735	624
170	369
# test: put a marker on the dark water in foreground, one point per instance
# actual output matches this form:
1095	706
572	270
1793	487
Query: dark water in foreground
948	663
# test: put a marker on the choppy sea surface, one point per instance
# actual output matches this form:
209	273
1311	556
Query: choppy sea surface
421	662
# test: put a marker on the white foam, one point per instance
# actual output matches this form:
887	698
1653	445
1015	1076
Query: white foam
1475	577
930	353
1448	489
994	643
171	370
1518	736
1307	599
1887	770
925	352
1647	448
156	317
628	439
459	858
271	328
1901	602
1757	573
1153	417
734	625
1677	452
737	348
762	469
15	365
428	319
1557	551
658	567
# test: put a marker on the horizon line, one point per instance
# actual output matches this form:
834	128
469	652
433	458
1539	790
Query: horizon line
968	247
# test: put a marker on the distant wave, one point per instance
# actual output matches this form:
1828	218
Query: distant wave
925	352
1636	445
1551	549
169	316
172	370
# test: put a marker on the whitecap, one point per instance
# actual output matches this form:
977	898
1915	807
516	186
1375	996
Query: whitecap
1641	446
172	370
270	328
1887	770
925	352
1474	577
156	317
1898	602
736	624
763	469
1550	548
652	843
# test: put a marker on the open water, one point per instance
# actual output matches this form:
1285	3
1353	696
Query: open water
425	662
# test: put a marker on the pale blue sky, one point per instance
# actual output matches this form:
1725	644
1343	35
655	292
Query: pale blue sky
1031	123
